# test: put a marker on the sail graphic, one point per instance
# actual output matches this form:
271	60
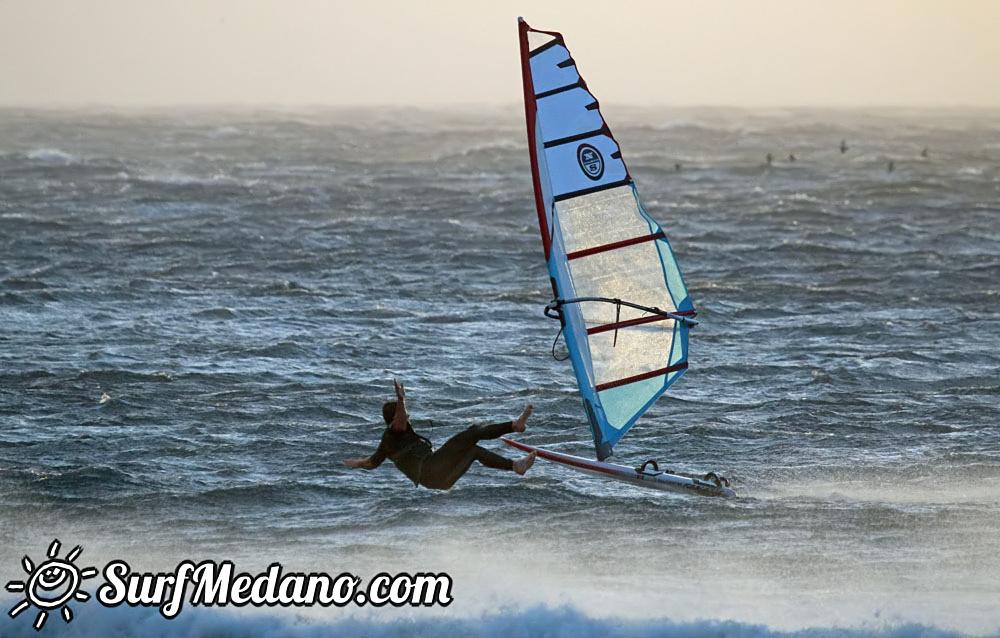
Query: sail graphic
618	290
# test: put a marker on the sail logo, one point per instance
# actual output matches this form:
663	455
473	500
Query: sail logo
591	161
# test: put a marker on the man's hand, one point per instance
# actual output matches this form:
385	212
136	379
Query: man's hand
401	418
360	463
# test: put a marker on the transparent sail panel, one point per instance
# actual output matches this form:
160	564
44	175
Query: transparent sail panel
633	274
600	219
537	39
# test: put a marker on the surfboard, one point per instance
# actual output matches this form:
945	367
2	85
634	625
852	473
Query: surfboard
644	476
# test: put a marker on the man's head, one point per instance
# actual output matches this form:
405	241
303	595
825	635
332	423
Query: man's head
389	412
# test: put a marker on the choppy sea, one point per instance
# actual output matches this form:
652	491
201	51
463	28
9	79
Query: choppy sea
201	314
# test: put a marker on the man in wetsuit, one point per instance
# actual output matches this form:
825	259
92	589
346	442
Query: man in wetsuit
439	469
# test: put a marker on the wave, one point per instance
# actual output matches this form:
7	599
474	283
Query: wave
109	378
52	156
55	161
92	621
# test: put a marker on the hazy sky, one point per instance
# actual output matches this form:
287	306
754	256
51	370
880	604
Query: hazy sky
443	52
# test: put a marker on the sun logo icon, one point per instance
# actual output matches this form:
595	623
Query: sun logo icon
51	585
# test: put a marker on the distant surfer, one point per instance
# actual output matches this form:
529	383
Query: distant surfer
843	146
439	469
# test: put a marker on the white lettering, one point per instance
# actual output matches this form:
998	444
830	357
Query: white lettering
268	583
112	593
378	589
214	584
147	589
173	607
290	592
435	590
212	590
343	591
241	585
399	592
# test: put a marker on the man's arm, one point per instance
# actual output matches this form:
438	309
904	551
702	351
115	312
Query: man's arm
401	418
373	461
399	422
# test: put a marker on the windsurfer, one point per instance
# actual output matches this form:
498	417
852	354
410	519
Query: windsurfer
439	469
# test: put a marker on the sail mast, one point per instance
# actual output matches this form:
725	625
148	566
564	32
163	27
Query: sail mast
529	118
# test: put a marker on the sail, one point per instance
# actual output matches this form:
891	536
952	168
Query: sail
619	292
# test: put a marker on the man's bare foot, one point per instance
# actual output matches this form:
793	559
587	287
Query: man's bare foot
521	465
521	420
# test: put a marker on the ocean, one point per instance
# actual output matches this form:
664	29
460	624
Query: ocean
201	313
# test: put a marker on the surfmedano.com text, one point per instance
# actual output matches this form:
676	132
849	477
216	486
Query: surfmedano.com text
217	584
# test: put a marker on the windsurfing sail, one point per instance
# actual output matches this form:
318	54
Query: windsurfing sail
618	290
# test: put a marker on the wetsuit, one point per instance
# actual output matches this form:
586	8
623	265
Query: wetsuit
439	470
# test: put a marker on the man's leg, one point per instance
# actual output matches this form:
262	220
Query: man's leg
453	459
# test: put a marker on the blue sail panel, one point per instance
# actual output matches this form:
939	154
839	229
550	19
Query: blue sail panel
622	298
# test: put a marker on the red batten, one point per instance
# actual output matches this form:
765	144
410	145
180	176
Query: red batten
614	246
640	377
